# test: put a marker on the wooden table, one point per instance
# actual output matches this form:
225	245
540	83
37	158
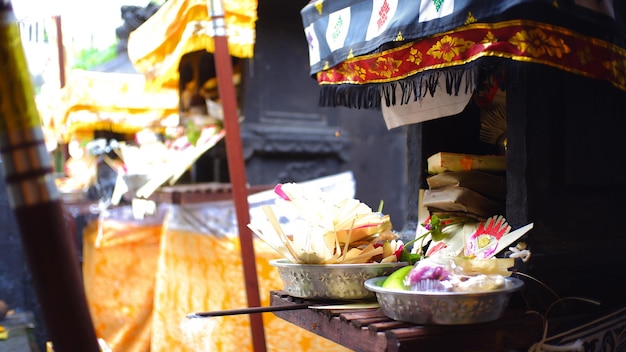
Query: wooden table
370	330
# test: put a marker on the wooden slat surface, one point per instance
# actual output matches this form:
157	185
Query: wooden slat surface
369	330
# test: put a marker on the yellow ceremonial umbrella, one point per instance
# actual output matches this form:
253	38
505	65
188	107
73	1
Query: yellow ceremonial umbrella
184	26
118	102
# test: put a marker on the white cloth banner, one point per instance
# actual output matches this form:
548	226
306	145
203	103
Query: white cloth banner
441	104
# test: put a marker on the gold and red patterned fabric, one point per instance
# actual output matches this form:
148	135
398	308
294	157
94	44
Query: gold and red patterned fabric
361	51
518	40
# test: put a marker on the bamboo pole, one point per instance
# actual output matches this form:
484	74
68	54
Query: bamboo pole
236	167
51	254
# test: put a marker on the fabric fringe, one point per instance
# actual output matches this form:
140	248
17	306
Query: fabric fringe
412	88
351	96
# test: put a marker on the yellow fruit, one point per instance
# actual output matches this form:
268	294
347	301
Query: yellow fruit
395	281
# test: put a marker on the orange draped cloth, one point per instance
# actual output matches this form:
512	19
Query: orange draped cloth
119	264
142	278
201	270
198	273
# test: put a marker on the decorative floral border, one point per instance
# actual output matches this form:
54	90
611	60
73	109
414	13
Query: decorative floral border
519	40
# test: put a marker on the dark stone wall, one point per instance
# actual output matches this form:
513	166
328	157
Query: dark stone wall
565	174
568	176
288	137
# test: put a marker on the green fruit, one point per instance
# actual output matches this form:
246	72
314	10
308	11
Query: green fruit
395	281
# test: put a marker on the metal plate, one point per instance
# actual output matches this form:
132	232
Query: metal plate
331	281
445	308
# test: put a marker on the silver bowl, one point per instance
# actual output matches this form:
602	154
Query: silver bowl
444	308
331	281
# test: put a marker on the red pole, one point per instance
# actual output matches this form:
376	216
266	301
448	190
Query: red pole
60	50
236	167
62	151
50	252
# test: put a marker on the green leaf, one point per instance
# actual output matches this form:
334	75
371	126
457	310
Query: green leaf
410	258
193	133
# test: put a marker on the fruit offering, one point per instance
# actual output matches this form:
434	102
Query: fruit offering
445	275
459	261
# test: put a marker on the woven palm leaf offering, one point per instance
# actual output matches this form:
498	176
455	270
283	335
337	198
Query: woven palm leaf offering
331	229
337	243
